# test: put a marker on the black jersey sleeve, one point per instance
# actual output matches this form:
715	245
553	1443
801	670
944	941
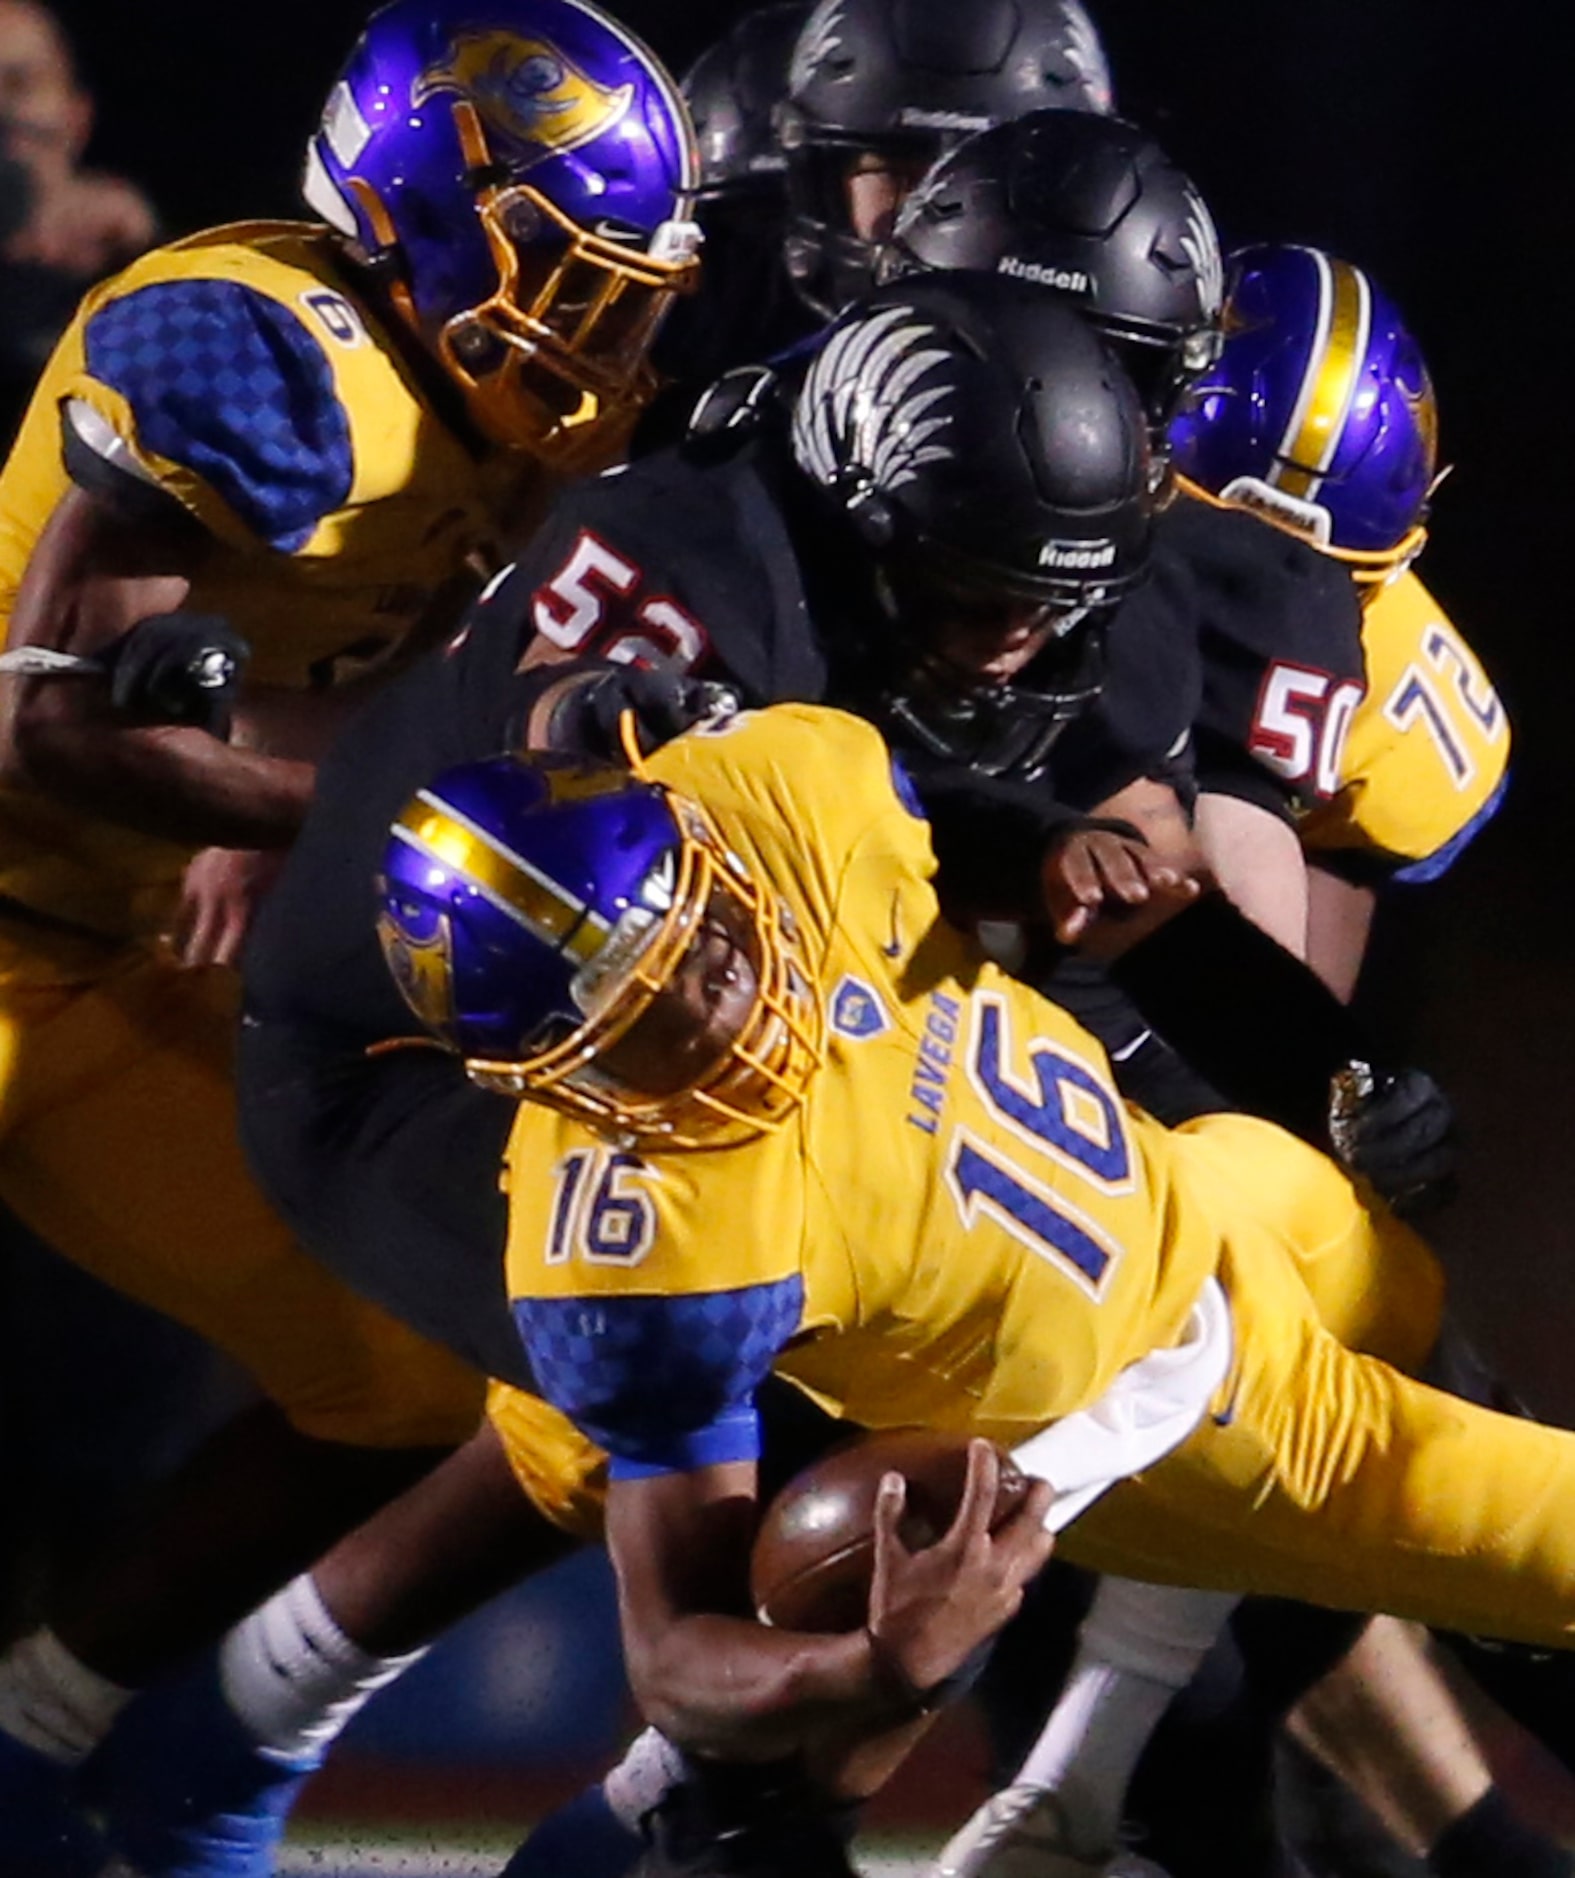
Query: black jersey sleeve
1223	768
676	563
1280	645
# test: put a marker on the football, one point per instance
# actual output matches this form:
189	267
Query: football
814	1552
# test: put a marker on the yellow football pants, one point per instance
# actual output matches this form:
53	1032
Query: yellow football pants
118	1147
1324	1474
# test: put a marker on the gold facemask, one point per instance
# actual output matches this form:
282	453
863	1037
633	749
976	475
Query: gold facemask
555	360
757	1082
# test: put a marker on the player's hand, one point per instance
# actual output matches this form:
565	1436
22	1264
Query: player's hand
1105	891
663	702
220	893
1397	1129
930	1610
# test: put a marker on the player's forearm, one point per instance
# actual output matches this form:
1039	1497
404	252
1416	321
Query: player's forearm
1245	1013
299	726
174	782
737	1688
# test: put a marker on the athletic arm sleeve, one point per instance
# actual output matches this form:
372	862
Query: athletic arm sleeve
1247	1015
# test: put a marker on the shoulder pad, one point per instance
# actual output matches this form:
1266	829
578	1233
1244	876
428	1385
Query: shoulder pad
227	383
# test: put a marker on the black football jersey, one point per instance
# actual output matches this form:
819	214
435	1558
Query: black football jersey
667	560
1279	645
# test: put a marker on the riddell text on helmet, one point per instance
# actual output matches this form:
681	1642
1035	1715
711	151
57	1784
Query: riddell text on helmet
1063	279
1077	554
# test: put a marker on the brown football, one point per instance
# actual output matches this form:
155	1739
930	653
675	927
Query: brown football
814	1552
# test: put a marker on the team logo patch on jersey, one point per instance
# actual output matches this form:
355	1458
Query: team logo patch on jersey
856	1010
527	92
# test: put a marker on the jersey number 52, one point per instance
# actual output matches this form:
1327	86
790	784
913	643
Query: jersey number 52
596	603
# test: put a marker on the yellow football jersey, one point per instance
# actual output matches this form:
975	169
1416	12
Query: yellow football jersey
961	1173
1425	761
243	376
962	1227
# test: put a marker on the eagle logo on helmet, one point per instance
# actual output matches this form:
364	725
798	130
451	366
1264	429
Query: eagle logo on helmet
528	94
820	36
869	411
419	946
1086	56
1201	245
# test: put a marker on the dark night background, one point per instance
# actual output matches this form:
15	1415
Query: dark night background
1424	139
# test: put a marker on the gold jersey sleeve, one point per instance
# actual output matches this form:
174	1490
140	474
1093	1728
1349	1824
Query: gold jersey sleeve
969	1226
240	373
1427	755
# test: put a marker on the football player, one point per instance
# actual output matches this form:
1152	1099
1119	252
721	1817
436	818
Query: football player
1316	352
320	435
879	89
813	122
1425	767
680	1075
721	556
464	703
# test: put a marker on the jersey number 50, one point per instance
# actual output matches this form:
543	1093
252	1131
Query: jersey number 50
1300	725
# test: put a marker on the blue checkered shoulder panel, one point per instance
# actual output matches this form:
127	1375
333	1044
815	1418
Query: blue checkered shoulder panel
229	384
664	1384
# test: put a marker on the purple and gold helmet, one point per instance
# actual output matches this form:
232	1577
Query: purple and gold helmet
519	172
534	907
1319	414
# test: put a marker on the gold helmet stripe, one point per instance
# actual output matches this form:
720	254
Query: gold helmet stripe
1331	380
436	829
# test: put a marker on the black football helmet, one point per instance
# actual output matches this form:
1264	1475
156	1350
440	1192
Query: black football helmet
733	90
1090	209
903	80
993	456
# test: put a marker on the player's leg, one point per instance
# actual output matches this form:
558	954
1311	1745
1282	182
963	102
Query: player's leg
1062	1810
120	1150
1144	1642
201	1775
1331	1478
1377	1723
391	1172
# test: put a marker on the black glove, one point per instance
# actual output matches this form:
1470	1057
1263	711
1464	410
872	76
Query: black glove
664	701
1398	1131
177	668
